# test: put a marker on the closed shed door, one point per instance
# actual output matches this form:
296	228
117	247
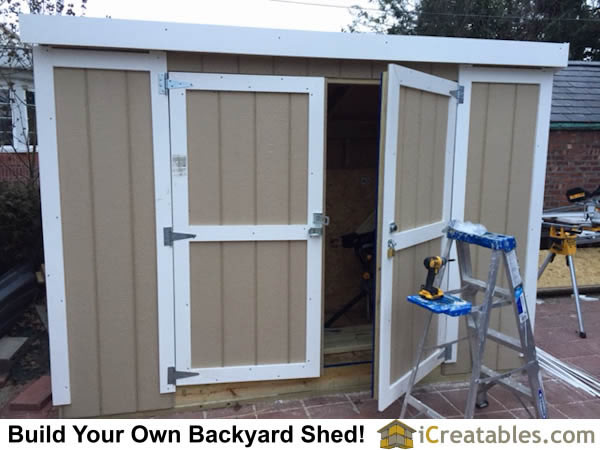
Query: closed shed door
247	174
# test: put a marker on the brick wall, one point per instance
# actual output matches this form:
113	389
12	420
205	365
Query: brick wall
573	160
13	166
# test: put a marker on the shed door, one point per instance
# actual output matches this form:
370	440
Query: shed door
247	175
418	127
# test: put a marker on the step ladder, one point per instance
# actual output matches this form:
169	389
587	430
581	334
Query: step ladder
460	303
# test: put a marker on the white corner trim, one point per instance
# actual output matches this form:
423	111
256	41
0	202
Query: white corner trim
46	59
536	202
542	77
52	228
143	35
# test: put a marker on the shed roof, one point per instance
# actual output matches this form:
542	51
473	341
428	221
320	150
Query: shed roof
397	422
576	95
133	34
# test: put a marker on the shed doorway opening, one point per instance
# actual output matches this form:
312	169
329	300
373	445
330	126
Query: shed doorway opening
351	203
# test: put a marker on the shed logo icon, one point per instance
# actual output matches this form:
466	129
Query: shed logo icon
396	434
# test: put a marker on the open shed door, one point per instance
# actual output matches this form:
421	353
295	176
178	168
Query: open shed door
418	127
247	175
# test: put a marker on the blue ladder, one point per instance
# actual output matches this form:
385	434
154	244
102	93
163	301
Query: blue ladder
477	319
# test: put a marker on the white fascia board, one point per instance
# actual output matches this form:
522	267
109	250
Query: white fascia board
130	34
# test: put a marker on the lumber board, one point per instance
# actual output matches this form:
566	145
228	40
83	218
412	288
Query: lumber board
334	379
348	339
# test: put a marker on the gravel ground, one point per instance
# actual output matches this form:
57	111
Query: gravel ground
587	269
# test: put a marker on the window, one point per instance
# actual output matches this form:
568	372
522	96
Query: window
17	118
6	121
30	103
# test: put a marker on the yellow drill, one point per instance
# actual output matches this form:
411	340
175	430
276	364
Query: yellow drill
433	264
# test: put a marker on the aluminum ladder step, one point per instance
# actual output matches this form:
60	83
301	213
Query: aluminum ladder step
513	385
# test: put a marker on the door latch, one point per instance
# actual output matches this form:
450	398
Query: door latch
391	251
319	221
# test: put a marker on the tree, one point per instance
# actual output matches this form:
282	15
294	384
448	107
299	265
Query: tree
20	215
574	21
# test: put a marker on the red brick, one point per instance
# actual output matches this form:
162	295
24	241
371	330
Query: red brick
34	397
573	160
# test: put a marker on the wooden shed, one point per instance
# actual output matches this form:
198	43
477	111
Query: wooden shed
187	172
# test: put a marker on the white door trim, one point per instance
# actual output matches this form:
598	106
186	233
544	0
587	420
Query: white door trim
388	392
542	77
315	88
46	59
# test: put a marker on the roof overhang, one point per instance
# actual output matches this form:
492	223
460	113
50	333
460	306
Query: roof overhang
142	35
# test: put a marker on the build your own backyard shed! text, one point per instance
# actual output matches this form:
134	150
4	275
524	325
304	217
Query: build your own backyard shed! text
140	434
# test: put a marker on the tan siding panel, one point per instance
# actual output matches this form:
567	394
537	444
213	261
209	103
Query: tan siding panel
248	303
324	68
280	65
262	65
298	158
439	127
291	66
272	302
407	182
109	138
219	63
408	321
272	158
78	241
204	157
206	292
405	266
496	175
105	158
448	71
517	217
238	157
426	155
501	148
355	69
239	303
297	301
431	157
184	62
249	163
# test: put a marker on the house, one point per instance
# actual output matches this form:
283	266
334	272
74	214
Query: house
17	106
396	434
574	143
183	179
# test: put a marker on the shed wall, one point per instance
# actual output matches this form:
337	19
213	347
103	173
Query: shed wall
275	65
499	174
107	197
104	135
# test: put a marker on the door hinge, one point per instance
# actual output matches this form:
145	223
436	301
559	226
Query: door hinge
459	94
173	375
319	221
165	83
171	236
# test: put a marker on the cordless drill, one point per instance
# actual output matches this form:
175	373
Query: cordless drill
433	264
